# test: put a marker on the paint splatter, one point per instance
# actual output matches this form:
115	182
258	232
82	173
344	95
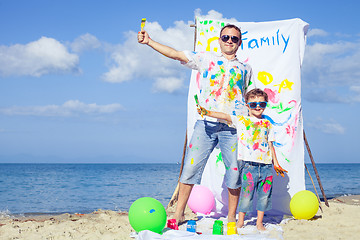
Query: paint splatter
267	184
250	184
273	95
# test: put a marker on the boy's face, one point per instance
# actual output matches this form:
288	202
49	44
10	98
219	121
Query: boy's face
258	110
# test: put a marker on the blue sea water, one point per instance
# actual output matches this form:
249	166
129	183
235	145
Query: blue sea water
83	188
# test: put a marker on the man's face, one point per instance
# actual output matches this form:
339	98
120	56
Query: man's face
229	47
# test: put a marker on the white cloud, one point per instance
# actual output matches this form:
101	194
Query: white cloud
332	68
37	58
170	84
331	127
317	32
69	108
85	42
132	60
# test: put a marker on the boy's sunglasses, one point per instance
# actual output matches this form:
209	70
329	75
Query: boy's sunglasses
255	104
226	38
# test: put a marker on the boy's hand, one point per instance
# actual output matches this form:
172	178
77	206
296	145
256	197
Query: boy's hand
202	111
143	37
280	170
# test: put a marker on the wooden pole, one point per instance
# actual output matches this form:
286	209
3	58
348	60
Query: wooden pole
175	195
315	170
314	187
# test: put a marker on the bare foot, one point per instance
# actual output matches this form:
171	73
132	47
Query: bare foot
260	227
179	219
239	224
231	218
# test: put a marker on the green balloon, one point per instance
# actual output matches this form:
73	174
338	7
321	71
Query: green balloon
147	214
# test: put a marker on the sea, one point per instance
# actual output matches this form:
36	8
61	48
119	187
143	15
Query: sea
35	189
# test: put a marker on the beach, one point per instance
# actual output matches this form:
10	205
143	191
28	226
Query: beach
339	221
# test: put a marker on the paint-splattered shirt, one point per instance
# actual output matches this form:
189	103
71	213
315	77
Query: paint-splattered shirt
254	135
222	83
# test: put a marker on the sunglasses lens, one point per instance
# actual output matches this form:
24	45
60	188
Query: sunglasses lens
255	104
263	104
225	38
252	104
234	39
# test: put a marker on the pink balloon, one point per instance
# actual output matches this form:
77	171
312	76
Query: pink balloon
201	200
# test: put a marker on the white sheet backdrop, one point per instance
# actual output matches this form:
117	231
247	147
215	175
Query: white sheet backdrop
275	51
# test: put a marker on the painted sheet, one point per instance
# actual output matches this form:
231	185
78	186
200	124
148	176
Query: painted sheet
275	51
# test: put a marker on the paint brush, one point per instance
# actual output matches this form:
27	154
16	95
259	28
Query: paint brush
197	103
143	23
196	99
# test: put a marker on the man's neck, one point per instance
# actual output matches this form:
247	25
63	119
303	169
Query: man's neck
229	57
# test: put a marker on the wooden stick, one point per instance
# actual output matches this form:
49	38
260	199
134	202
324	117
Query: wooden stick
314	187
175	195
315	170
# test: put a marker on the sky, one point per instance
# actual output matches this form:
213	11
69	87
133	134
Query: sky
76	87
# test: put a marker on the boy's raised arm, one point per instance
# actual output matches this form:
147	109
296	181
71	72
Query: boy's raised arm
143	38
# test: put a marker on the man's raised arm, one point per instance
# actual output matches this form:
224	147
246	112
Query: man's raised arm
143	38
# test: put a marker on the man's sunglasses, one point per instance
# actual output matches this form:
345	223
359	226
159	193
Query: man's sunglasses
226	38
255	104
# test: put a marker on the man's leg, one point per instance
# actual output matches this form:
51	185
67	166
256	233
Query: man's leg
201	145
184	193
228	147
233	202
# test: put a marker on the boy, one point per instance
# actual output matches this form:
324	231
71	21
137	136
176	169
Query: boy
256	150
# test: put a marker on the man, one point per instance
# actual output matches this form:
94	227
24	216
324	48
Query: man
223	82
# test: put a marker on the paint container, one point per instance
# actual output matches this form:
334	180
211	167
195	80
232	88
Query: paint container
231	228
171	223
218	227
191	226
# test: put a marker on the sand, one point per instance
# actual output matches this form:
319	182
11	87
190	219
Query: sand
339	221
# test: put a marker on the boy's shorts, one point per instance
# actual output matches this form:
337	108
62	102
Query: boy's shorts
205	137
256	177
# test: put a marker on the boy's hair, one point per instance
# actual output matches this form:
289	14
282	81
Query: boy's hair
230	26
256	92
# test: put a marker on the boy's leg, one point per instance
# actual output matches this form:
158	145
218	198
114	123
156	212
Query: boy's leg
264	190
199	149
240	222
228	147
264	193
259	221
249	178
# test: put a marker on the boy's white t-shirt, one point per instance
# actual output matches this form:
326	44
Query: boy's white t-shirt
254	135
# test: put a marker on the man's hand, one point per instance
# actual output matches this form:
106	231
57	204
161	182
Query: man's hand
280	170
143	37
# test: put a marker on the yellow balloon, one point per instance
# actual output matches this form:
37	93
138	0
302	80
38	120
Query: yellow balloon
304	205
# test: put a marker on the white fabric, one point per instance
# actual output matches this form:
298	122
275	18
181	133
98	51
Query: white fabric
204	226
275	52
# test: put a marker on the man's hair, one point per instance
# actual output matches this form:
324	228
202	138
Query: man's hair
256	92
230	26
